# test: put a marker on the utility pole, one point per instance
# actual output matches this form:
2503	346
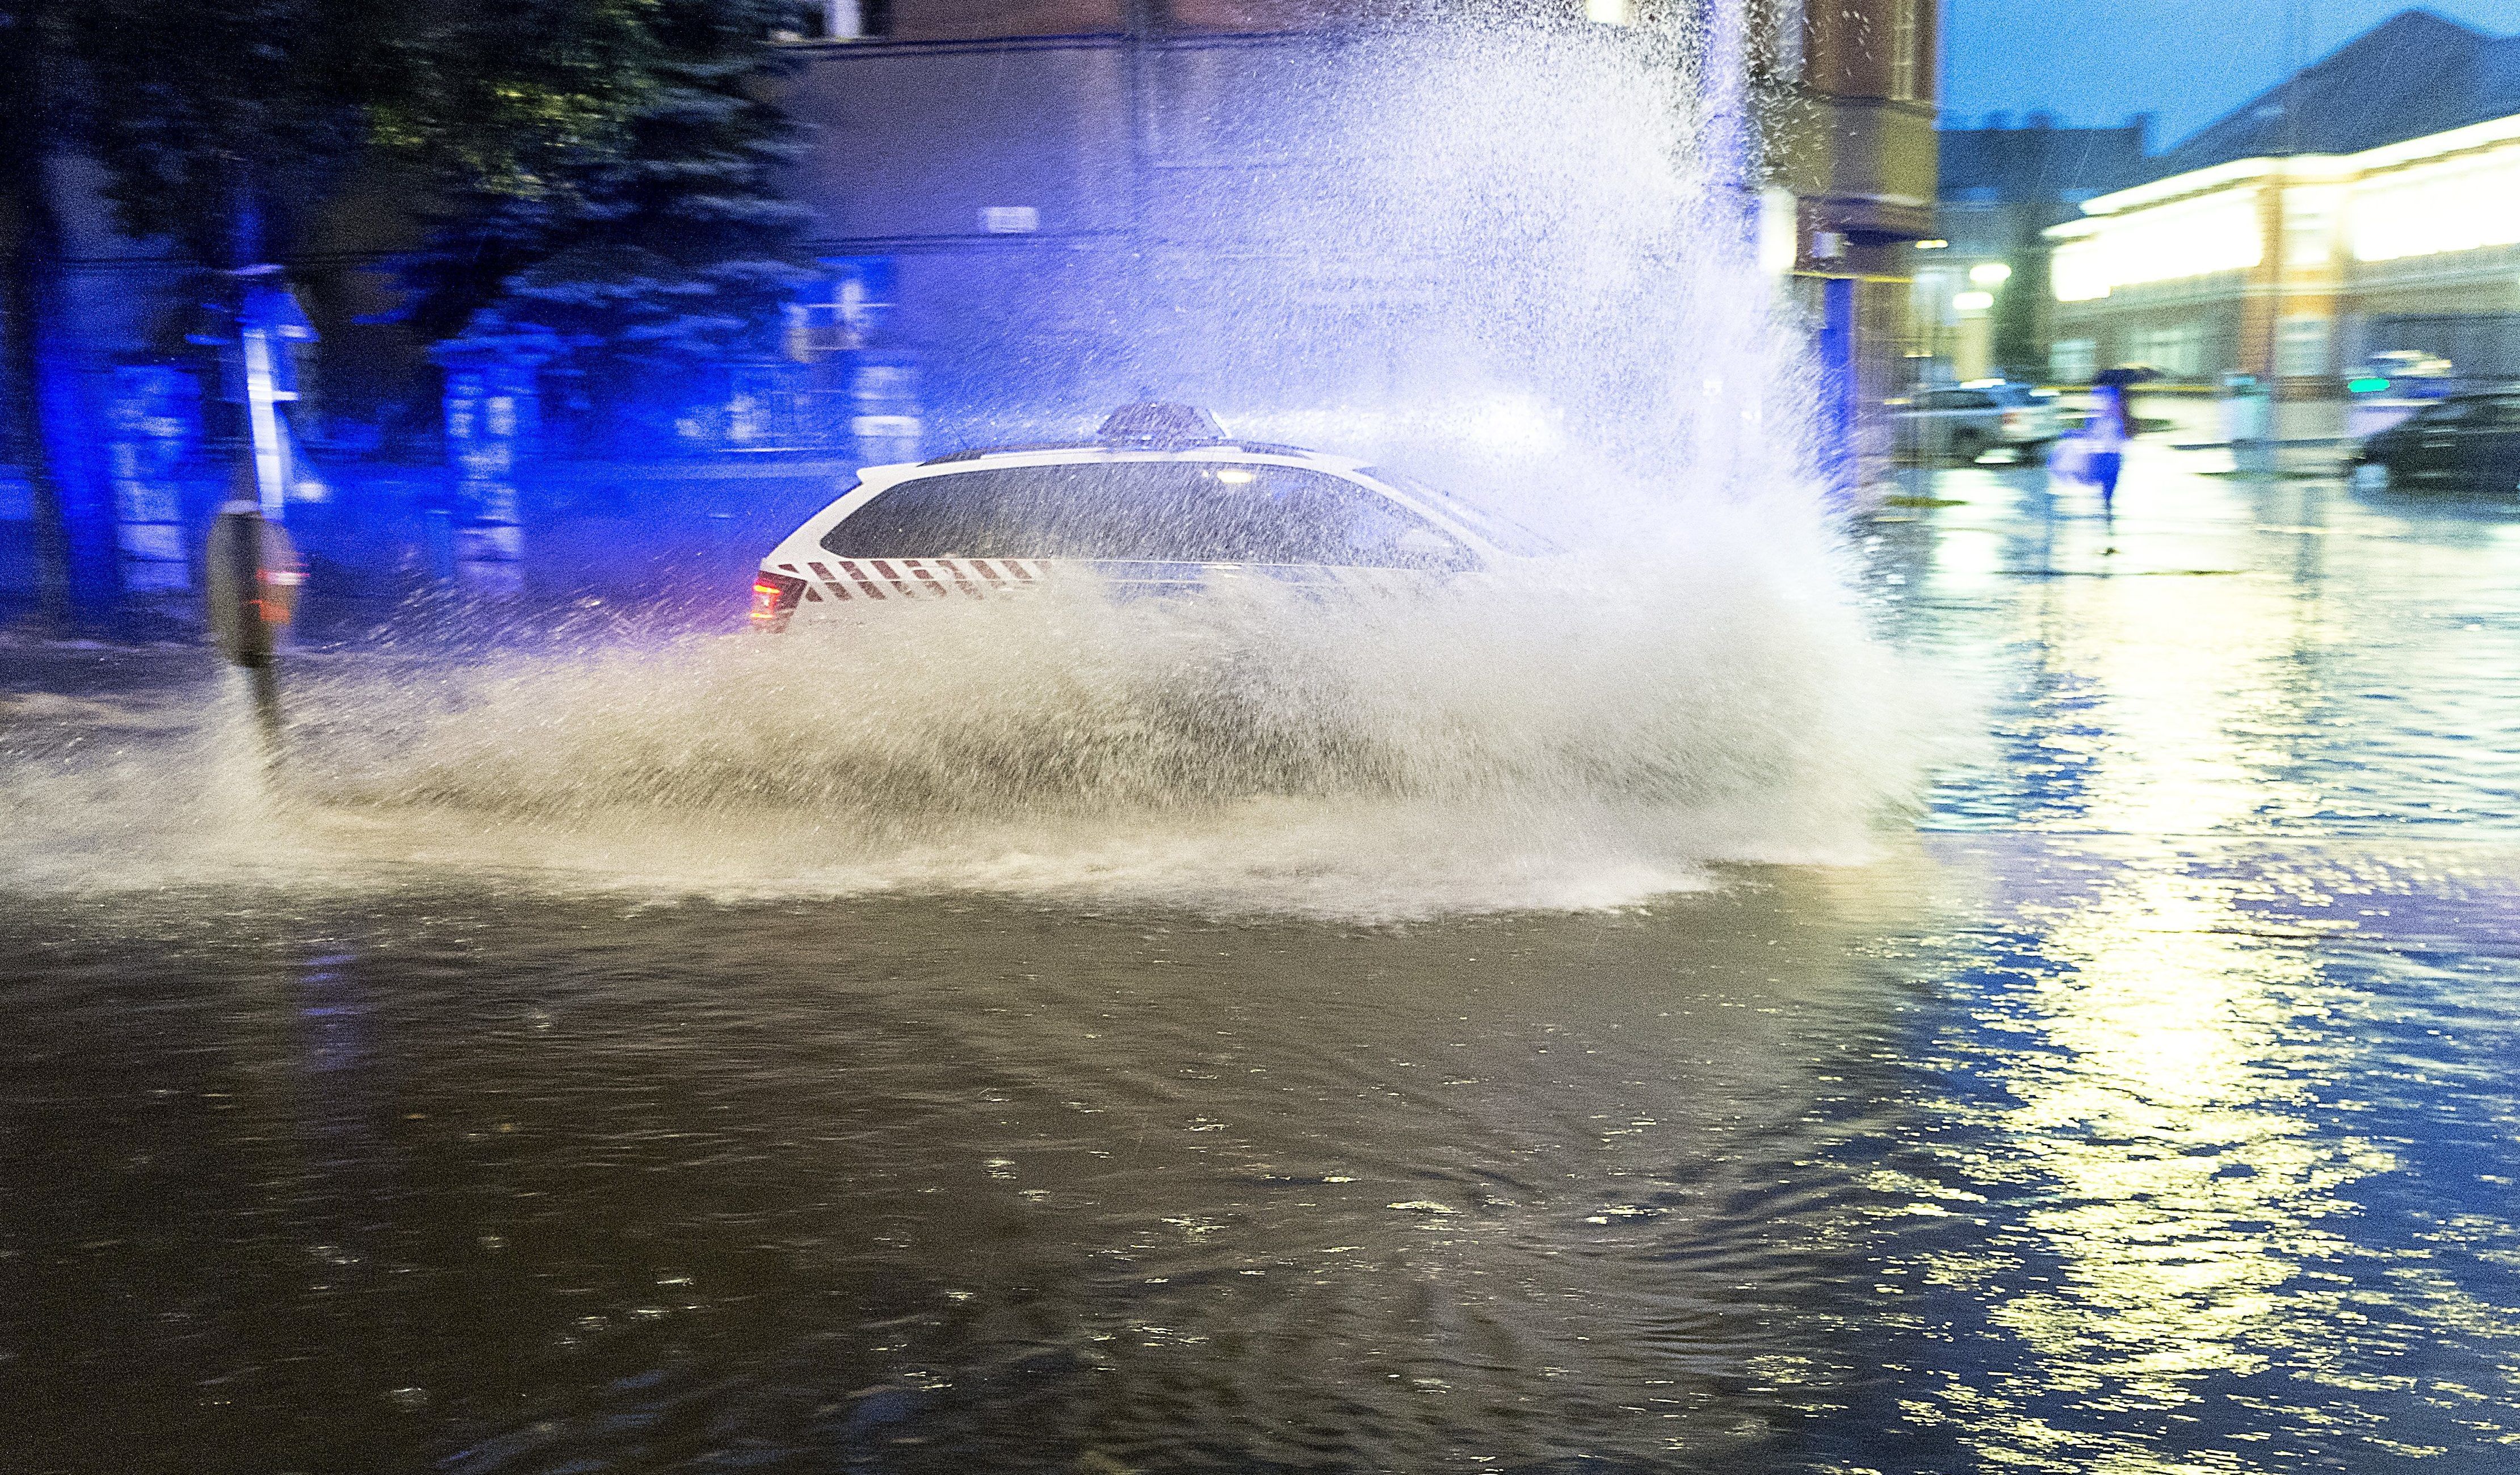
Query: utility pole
33	265
36	374
264	316
1144	21
2295	25
1732	142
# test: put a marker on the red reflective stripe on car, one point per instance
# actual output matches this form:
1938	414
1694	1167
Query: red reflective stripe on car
916	574
829	580
803	588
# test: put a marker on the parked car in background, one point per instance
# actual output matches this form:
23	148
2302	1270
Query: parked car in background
2467	443
2387	388
2404	373
1969	421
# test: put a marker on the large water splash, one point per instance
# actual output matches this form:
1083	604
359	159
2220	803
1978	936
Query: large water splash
1576	336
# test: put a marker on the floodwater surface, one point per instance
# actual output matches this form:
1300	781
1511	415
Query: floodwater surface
2138	1102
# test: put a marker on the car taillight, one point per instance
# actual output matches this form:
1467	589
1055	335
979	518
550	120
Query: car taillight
774	599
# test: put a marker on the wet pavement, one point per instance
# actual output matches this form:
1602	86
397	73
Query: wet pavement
2146	1106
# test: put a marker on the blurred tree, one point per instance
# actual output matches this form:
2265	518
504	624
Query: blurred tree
218	123
647	261
600	166
30	261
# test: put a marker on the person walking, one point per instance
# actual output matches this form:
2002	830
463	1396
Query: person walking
2105	434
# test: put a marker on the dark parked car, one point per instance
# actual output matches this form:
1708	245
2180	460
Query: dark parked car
2467	443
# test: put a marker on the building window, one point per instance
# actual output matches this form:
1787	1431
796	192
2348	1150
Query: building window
1903	51
2178	350
2310	225
845	20
841	310
1790	39
2073	360
2301	347
2457	203
2159	243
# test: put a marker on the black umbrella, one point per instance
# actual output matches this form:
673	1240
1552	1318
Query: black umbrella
2124	376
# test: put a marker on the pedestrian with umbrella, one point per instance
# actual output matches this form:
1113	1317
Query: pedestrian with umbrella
2106	430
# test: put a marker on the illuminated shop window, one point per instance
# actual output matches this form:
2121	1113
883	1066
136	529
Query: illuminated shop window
2448	205
2161	243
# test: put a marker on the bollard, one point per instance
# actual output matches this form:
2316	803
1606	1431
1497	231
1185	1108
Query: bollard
253	575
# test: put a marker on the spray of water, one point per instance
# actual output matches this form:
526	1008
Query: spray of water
1556	315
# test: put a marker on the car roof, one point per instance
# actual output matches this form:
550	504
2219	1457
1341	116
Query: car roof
1099	448
877	480
1086	453
1143	426
1157	431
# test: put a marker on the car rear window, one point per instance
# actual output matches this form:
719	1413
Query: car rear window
1150	511
1498	528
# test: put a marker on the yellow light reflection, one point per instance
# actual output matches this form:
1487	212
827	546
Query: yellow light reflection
2184	1188
2163	1111
2193	700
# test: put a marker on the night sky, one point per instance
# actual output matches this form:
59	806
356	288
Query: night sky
2097	61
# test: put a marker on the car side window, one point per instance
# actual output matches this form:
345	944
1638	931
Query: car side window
1145	511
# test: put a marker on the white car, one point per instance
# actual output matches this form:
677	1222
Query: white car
1162	500
1964	422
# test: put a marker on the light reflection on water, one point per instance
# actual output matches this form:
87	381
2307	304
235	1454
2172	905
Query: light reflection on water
2219	1132
2257	659
2175	1029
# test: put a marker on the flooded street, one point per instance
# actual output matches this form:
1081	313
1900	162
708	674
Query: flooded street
2142	1103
